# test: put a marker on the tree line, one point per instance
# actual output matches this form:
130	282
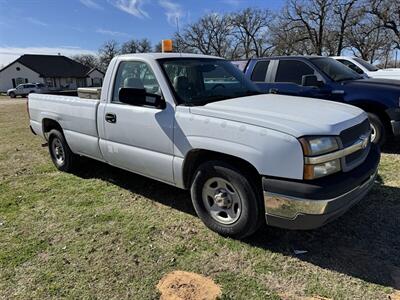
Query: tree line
369	29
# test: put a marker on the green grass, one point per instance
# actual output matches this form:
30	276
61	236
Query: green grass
104	233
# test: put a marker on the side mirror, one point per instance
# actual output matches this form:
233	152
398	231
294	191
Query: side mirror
139	97
310	80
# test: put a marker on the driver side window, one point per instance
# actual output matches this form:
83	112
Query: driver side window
292	71
135	74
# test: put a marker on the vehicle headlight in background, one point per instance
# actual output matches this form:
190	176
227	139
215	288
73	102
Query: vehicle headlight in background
315	146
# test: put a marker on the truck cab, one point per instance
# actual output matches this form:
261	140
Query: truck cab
326	78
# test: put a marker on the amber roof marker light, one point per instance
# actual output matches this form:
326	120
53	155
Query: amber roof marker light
166	46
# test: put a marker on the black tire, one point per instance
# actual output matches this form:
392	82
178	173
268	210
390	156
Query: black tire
12	95
378	129
61	155
251	215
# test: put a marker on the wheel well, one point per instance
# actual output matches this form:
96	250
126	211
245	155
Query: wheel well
376	109
196	157
48	125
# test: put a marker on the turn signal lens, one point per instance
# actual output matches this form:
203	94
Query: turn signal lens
321	170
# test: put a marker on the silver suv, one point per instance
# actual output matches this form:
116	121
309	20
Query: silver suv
25	89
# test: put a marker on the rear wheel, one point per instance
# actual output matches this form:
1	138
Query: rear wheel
378	130
62	156
226	201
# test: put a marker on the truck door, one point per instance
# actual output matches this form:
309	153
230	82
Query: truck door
288	78
259	74
138	138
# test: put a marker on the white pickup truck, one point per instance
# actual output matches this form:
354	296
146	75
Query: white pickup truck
195	122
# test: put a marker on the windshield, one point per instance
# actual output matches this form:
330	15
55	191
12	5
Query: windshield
198	81
334	69
366	65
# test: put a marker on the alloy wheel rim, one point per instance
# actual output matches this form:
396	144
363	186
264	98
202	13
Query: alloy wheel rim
58	151
373	133
222	200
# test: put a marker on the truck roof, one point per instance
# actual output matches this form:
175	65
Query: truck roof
169	55
288	56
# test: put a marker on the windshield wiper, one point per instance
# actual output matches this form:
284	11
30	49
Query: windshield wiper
253	93
204	101
347	78
217	98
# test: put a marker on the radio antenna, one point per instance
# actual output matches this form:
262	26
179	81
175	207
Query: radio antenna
177	29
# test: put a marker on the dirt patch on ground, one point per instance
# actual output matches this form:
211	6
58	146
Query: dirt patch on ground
395	296
289	296
180	285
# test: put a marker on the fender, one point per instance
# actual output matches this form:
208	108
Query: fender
272	153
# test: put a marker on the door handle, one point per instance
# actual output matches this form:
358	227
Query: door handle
111	118
273	91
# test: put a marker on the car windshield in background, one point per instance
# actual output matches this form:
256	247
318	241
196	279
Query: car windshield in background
366	65
198	81
334	69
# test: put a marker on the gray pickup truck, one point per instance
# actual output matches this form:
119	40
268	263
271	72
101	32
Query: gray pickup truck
197	123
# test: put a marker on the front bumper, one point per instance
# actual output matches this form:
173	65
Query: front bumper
394	116
395	127
299	204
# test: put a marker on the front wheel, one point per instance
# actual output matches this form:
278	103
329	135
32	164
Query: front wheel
226	201
378	131
61	155
12	95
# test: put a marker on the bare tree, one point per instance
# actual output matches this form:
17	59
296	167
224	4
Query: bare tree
145	46
136	46
130	46
210	35
388	12
346	15
88	60
309	19
322	27
367	39
107	52
288	40
250	29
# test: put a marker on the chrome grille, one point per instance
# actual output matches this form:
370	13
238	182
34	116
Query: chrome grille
350	136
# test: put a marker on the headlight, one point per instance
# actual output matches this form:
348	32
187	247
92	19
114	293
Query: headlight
321	170
314	146
319	145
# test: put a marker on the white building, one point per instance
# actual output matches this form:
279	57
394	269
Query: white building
55	71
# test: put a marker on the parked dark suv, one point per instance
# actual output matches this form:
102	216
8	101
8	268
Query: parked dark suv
325	78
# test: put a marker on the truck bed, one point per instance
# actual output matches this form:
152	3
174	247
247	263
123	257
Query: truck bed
77	117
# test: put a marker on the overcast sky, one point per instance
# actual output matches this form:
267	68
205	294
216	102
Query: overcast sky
81	26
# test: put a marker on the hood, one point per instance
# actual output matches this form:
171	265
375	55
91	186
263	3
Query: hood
11	90
297	116
376	82
386	73
393	71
